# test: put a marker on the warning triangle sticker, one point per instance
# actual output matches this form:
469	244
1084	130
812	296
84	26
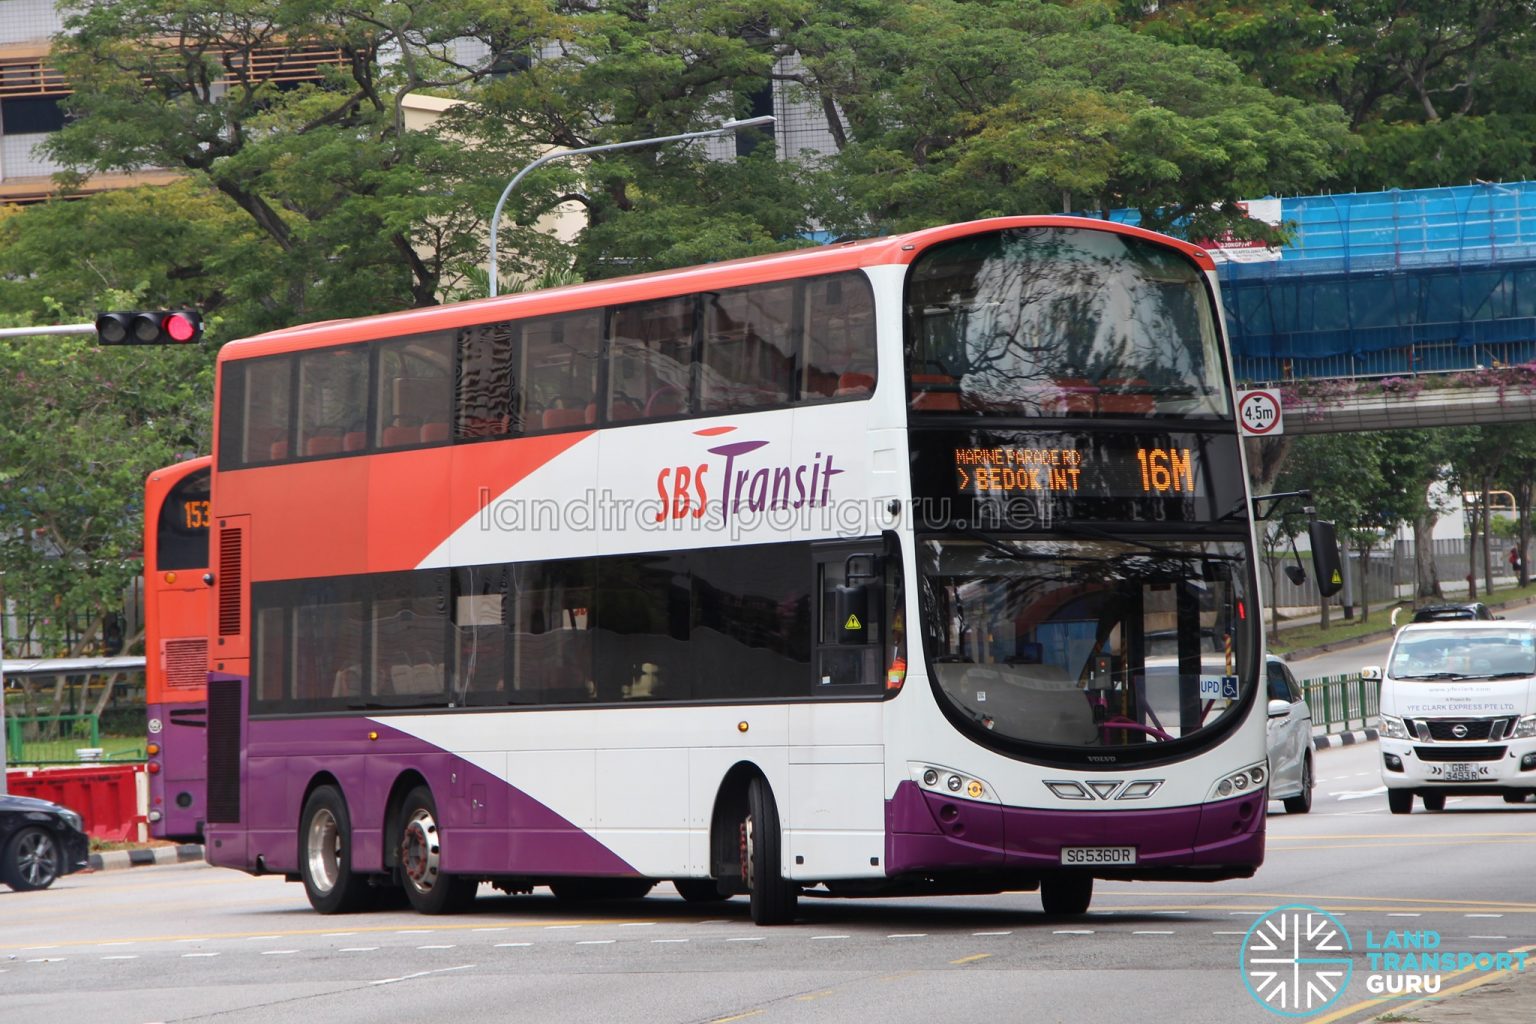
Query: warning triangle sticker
1336	577
853	623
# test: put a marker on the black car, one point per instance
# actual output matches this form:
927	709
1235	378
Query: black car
39	841
1452	612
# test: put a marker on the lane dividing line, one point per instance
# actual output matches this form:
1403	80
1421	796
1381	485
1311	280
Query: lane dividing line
971	959
420	974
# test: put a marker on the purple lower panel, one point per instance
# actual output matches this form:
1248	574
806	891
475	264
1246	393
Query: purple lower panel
488	827
929	832
179	789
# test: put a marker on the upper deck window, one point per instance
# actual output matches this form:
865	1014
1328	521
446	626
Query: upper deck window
1061	322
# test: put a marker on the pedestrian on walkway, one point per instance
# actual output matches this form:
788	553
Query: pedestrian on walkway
1514	561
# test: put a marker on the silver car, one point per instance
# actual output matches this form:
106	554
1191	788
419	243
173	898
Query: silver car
1290	739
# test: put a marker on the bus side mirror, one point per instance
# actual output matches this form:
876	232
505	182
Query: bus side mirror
1327	567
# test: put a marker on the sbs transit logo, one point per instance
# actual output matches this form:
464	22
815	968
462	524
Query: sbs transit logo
1295	960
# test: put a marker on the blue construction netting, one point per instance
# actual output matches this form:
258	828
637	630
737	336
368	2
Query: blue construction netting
1397	282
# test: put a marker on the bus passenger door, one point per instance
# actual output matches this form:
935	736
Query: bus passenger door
835	820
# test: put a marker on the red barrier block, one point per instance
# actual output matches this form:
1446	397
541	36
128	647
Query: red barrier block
106	796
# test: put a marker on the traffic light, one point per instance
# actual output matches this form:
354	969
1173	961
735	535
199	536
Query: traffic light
150	327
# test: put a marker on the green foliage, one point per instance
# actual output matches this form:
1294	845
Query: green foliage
80	429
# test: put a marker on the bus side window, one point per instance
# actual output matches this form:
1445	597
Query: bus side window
840	338
415	391
749	348
559	378
488	381
651	371
850	638
333	399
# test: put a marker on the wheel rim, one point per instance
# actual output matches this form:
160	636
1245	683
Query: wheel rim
420	851
35	859
323	844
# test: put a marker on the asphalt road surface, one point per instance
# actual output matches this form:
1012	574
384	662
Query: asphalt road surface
193	943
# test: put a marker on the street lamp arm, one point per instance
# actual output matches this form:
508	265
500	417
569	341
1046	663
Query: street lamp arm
724	129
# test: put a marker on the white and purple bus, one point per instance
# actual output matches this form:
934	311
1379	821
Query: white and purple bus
921	564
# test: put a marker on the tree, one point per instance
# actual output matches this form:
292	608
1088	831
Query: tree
80	429
1343	472
294	113
957	109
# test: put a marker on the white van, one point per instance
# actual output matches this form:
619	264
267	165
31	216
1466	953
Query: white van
1458	712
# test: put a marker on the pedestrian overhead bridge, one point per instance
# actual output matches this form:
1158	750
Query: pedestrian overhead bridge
1406	308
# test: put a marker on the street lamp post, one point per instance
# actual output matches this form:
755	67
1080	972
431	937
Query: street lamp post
724	129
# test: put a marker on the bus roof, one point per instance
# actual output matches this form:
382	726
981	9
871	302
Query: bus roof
896	250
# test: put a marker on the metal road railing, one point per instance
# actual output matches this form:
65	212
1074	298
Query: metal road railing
1342	702
60	739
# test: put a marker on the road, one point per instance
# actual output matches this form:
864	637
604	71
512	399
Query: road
194	943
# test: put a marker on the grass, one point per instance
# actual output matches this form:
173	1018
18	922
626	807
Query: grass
1302	637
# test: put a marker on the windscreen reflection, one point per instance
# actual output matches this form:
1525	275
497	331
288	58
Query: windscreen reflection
1087	643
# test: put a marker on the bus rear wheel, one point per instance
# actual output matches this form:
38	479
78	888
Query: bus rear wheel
325	855
427	887
700	890
773	897
1066	895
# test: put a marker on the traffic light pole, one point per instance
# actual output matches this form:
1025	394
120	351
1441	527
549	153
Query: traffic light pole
27	332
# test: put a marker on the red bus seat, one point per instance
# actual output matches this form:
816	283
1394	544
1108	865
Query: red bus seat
854	384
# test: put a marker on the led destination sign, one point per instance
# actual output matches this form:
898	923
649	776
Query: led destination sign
1000	478
1043	472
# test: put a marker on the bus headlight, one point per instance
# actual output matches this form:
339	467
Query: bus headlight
1239	782
948	782
1393	728
1526	728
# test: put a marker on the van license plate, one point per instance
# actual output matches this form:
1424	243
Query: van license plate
1463	772
1097	856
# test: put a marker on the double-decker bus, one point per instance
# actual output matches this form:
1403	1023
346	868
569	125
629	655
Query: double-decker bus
177	605
921	564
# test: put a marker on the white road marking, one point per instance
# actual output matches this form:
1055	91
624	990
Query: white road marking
747	938
1406	915
121	956
1073	931
338	935
595	942
277	952
189	956
669	940
1359	794
1482	915
978	934
358	949
1487	936
508	945
816	937
638	924
420	974
1151	933
500	928
434	947
908	935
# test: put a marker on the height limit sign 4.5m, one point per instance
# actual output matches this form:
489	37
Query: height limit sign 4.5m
1259	413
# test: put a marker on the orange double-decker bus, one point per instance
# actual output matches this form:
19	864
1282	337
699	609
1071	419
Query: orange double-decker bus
176	601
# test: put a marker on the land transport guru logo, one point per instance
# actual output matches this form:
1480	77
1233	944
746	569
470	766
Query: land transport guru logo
1296	961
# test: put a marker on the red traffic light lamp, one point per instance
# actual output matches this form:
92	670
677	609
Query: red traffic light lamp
149	327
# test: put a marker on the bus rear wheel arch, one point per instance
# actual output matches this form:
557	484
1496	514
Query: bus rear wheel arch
418	853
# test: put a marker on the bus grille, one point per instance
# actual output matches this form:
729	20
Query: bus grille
230	543
1459	753
185	662
224	750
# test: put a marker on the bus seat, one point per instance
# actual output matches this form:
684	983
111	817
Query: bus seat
854	384
935	392
323	444
556	419
279	447
624	408
399	434
434	432
354	440
667	400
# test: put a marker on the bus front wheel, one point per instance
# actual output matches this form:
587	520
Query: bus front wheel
325	855
427	887
1066	895
773	896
